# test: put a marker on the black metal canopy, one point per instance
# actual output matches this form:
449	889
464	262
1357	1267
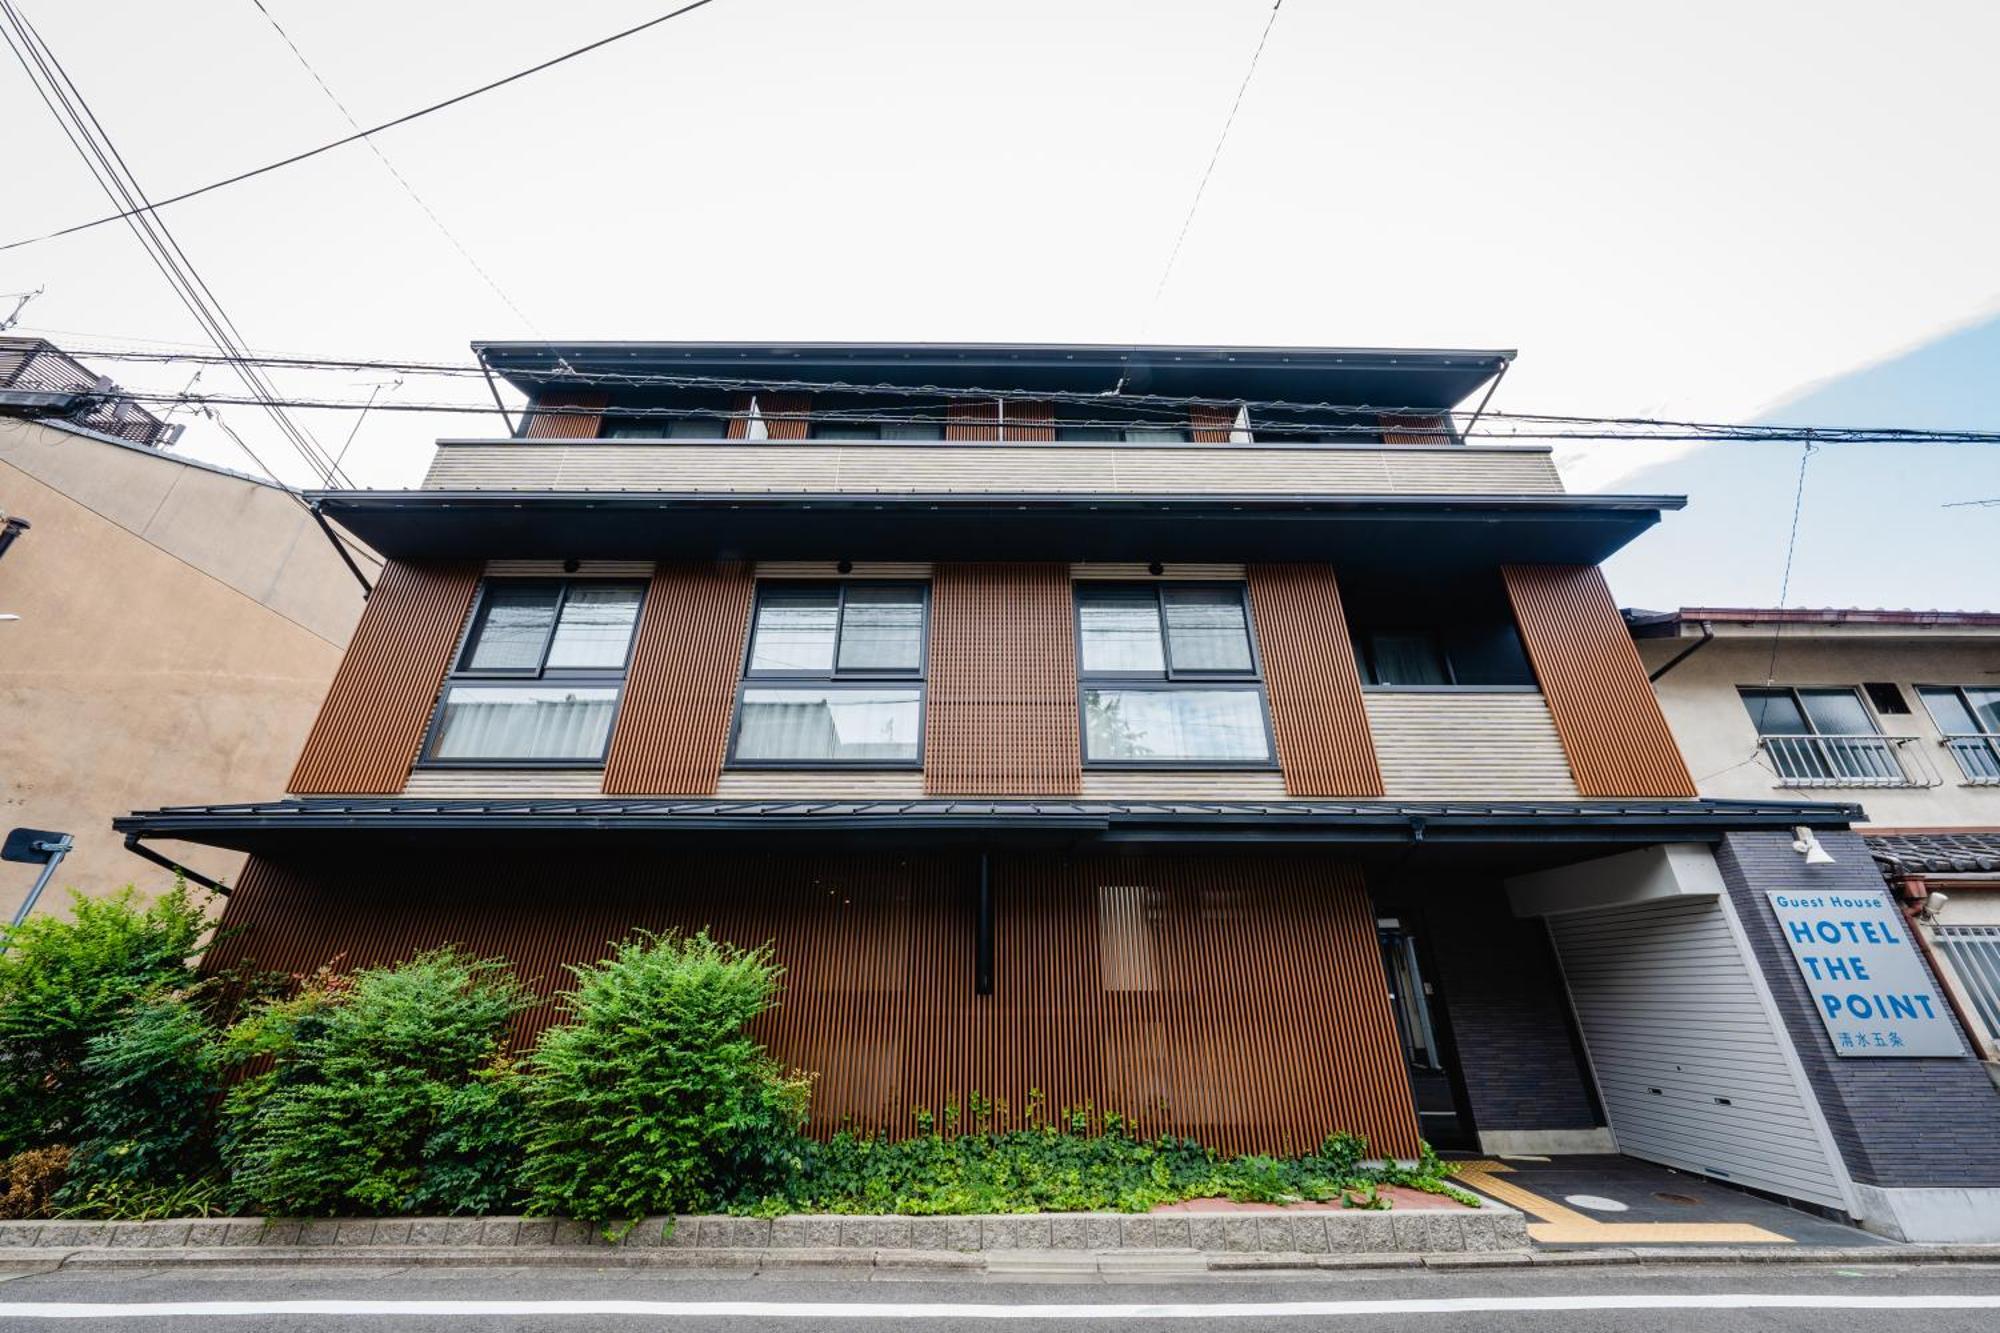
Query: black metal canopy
1409	532
1385	378
1493	833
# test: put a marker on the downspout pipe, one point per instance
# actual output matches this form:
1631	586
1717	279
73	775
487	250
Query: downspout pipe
1707	633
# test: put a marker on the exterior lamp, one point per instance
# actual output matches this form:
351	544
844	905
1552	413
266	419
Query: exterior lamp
1807	845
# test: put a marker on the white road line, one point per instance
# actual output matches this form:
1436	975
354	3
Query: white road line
881	1310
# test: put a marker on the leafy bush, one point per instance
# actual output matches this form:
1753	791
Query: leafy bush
385	1092
651	1098
64	981
149	1122
32	1178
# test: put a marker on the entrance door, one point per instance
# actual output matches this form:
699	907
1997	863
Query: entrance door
1418	1022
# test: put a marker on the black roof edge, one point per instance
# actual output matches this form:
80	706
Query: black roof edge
1066	500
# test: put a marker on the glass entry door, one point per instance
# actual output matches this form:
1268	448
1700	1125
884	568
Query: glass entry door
1411	1003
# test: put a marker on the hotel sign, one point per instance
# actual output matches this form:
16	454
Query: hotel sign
1872	992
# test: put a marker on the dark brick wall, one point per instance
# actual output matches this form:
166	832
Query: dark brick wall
1508	1013
1898	1122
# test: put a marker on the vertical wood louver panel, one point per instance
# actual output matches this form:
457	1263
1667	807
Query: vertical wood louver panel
582	423
372	724
1610	723
1317	717
738	427
1028	421
1415	430
972	421
1210	424
1000	709
673	726
1236	1000
785	414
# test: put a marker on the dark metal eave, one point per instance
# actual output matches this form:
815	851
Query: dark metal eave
1412	531
1518	833
1432	379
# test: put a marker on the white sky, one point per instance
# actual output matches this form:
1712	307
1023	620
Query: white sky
1688	209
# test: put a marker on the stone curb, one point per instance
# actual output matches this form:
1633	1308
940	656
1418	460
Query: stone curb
1492	1228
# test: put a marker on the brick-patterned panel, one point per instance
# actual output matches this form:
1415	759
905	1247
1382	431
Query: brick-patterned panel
1901	1123
1236	1000
372	724
1000	713
1324	745
580	424
1604	709
673	726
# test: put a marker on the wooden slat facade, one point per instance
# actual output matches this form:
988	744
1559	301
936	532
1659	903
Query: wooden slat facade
1022	420
1211	425
1240	1001
785	415
581	424
672	732
1605	712
975	421
1000	713
1415	430
1312	681
372	723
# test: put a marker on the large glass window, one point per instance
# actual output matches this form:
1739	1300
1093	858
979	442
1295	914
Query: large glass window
1440	632
1168	676
1133	424
1822	737
540	674
834	675
1969	718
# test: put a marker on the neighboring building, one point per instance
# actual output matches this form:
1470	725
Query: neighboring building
178	624
1900	709
1083	730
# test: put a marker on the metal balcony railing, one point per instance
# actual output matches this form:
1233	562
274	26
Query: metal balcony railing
1849	761
1978	758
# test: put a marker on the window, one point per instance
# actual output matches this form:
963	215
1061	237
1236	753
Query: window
1974	954
702	427
1969	718
1118	423
539	676
1823	737
834	676
1454	631
1168	676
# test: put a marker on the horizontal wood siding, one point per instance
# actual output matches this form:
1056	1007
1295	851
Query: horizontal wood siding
581	424
1000	713
1610	723
1239	1001
1111	784
673	726
372	724
1452	746
1314	686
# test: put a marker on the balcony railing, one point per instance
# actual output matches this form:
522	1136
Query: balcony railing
1849	761
1978	758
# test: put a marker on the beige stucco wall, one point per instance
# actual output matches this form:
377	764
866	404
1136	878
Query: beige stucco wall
178	628
1708	718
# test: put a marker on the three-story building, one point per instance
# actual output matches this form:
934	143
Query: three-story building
1208	736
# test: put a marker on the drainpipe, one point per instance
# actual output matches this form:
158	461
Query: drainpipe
1707	633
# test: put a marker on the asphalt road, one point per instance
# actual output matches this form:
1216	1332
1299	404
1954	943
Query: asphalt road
1719	1299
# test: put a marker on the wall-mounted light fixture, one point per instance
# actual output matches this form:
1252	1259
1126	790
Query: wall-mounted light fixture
1806	844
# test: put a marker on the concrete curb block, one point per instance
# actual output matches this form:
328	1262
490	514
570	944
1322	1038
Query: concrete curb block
1494	1227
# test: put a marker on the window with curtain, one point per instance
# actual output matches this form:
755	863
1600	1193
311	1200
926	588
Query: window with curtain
833	677
540	674
1168	678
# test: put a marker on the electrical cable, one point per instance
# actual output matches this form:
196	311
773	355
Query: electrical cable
404	119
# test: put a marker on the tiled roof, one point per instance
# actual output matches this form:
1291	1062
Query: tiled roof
1937	853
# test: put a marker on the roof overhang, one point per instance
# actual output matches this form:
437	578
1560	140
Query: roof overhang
1410	531
1386	378
1512	833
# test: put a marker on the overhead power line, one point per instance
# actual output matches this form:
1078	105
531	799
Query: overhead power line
404	119
391	168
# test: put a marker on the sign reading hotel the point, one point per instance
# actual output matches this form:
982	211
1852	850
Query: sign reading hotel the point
1871	992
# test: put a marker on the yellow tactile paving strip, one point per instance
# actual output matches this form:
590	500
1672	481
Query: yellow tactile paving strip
1560	1225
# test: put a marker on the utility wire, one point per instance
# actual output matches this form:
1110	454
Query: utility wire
1791	549
1201	187
404	119
390	167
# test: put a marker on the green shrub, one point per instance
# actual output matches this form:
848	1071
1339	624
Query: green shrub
32	1179
651	1098
149	1122
64	981
384	1092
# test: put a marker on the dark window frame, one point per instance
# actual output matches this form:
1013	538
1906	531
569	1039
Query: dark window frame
834	677
1798	693
461	674
1169	678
